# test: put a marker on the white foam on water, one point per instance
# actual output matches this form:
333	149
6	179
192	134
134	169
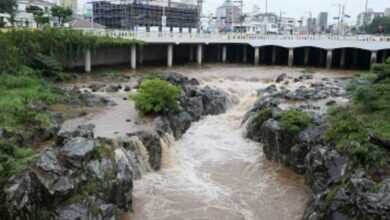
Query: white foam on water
215	173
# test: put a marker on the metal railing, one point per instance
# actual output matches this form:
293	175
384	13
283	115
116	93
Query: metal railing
231	37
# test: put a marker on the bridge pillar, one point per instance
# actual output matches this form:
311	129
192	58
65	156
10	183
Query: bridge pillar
273	55
133	57
342	57
87	61
384	56
199	54
374	56
290	57
191	53
141	55
170	55
329	56
224	53
244	54
257	55
306	56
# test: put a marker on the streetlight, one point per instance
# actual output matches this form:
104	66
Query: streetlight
338	18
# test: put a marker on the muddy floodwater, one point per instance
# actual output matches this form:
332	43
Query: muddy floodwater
212	172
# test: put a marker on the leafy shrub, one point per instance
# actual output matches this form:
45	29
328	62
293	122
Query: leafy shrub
372	97
365	75
47	65
13	159
294	120
367	155
344	127
156	97
381	70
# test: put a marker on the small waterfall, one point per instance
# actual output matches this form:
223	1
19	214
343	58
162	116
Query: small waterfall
134	154
144	155
167	141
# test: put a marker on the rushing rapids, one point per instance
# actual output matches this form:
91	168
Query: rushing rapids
216	173
134	164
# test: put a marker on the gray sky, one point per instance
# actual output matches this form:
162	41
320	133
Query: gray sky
298	8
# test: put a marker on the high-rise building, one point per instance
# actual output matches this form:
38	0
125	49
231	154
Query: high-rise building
228	13
322	21
366	18
69	4
387	12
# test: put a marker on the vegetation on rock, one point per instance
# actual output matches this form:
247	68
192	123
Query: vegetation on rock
367	116
294	120
156	97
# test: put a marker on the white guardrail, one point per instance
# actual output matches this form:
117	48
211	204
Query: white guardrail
158	36
328	42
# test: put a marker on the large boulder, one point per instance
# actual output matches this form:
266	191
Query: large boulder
277	141
77	149
179	123
214	101
324	166
358	198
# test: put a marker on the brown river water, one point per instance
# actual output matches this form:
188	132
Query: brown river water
212	172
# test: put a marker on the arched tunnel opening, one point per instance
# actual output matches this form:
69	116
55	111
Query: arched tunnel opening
273	55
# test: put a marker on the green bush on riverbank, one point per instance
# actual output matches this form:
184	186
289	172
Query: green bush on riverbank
368	115
156	96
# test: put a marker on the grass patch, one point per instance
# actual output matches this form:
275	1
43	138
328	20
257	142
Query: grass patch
13	159
263	114
17	93
294	120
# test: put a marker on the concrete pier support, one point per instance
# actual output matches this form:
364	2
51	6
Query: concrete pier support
199	54
342	57
384	56
374	56
244	54
224	53
329	57
191	53
87	61
306	56
257	56
273	55
170	55
290	57
133	57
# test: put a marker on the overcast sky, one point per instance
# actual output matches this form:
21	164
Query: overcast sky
299	8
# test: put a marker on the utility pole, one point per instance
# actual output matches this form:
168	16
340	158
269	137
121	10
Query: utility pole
266	6
364	18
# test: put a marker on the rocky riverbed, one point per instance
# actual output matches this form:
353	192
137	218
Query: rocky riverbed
214	158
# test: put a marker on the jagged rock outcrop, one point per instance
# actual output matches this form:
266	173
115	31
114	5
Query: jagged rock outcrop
79	178
339	190
358	198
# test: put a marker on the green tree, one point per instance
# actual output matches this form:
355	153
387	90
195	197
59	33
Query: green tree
37	13
8	7
379	21
63	14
